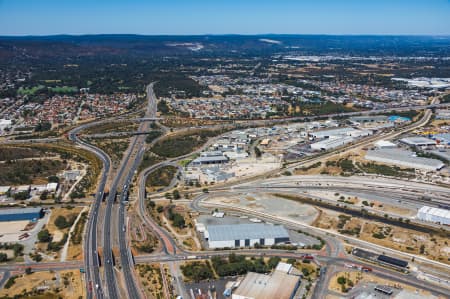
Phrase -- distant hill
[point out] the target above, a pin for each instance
(66, 46)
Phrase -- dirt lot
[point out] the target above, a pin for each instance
(358, 277)
(430, 245)
(333, 166)
(75, 250)
(151, 280)
(12, 227)
(186, 235)
(58, 234)
(68, 283)
(352, 278)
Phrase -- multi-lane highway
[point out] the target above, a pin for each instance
(127, 172)
(93, 278)
(92, 265)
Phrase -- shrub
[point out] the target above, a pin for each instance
(44, 236)
(3, 257)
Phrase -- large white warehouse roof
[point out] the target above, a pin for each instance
(418, 141)
(403, 158)
(278, 285)
(331, 143)
(228, 232)
(426, 213)
(334, 132)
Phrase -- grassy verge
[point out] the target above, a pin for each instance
(161, 177)
(172, 147)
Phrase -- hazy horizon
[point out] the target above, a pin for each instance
(202, 17)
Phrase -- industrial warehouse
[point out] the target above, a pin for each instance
(436, 215)
(18, 214)
(280, 284)
(245, 235)
(418, 141)
(214, 157)
(335, 138)
(404, 158)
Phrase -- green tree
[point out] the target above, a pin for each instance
(305, 272)
(176, 194)
(21, 195)
(61, 222)
(44, 236)
(44, 195)
(257, 152)
(178, 220)
(43, 126)
(3, 257)
(341, 280)
(53, 179)
(273, 261)
(151, 204)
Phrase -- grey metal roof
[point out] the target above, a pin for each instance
(210, 159)
(403, 156)
(417, 140)
(369, 118)
(228, 232)
(14, 211)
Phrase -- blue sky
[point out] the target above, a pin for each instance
(47, 17)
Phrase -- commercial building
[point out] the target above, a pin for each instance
(333, 133)
(436, 215)
(418, 141)
(404, 158)
(245, 235)
(265, 142)
(216, 175)
(384, 144)
(357, 120)
(71, 175)
(5, 123)
(331, 143)
(18, 214)
(4, 190)
(443, 114)
(279, 284)
(50, 187)
(209, 158)
(236, 155)
(392, 261)
(20, 189)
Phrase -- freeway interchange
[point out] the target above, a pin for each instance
(106, 226)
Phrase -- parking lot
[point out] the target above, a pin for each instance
(214, 286)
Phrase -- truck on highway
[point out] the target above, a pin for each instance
(105, 194)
